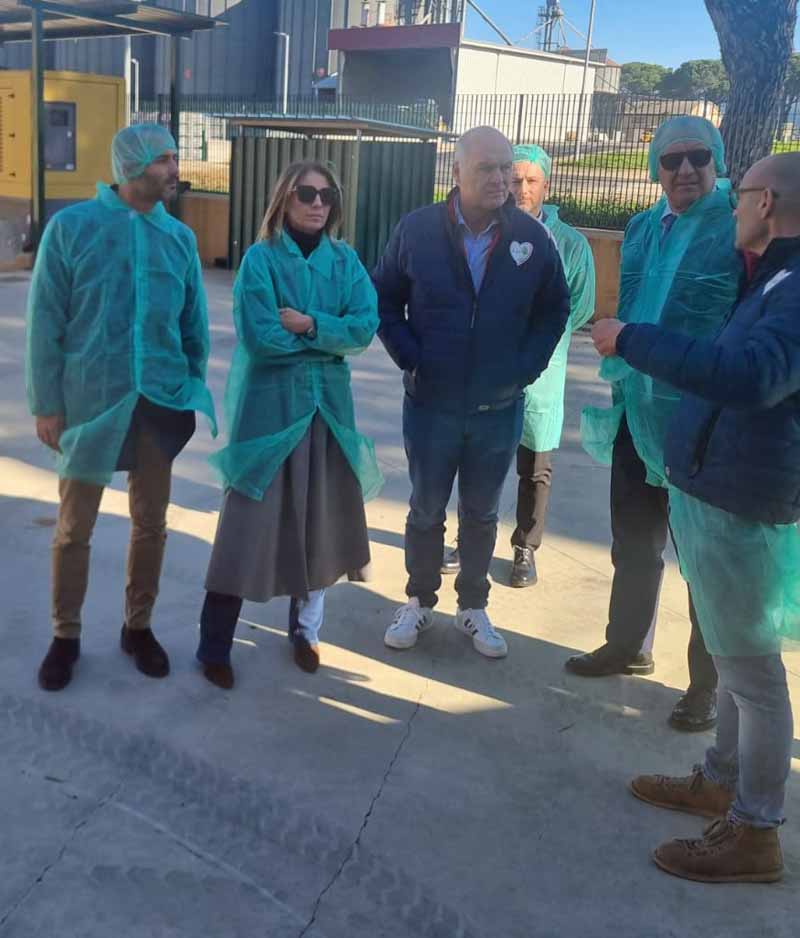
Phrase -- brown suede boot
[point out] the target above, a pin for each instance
(729, 852)
(693, 794)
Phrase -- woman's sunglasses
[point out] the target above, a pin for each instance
(308, 194)
(673, 161)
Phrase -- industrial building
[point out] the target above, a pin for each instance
(243, 60)
(393, 50)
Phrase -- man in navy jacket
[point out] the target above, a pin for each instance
(732, 458)
(472, 303)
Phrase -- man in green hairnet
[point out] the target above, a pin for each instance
(544, 400)
(117, 347)
(680, 270)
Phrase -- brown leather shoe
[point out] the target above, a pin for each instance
(220, 675)
(693, 794)
(55, 671)
(149, 657)
(728, 852)
(306, 655)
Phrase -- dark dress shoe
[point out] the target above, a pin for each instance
(695, 712)
(55, 671)
(452, 561)
(306, 655)
(149, 657)
(523, 570)
(605, 661)
(221, 675)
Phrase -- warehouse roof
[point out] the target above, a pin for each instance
(77, 19)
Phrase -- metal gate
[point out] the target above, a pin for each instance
(382, 181)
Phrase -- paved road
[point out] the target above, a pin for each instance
(429, 793)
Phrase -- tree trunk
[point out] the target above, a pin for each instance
(755, 38)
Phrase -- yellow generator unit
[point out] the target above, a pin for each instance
(82, 114)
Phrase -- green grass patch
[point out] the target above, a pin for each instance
(629, 160)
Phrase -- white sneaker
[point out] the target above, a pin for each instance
(408, 622)
(485, 638)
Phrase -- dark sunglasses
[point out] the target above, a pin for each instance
(673, 161)
(308, 194)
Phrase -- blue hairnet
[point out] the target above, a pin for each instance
(134, 148)
(531, 153)
(682, 129)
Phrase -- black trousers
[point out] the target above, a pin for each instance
(639, 528)
(535, 471)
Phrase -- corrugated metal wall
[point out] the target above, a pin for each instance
(236, 61)
(307, 22)
(242, 60)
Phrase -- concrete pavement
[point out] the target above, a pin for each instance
(425, 793)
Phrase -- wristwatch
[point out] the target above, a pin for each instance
(311, 332)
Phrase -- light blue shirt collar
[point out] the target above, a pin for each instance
(460, 219)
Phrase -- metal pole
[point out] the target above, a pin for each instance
(135, 64)
(128, 81)
(287, 39)
(586, 62)
(174, 91)
(487, 19)
(38, 127)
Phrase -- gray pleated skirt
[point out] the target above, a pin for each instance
(308, 531)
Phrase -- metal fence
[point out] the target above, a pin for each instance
(208, 124)
(598, 141)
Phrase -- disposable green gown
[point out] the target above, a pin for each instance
(116, 310)
(544, 399)
(687, 284)
(743, 576)
(279, 381)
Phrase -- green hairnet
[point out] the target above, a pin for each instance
(531, 153)
(134, 148)
(685, 128)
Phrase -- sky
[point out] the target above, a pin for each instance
(632, 30)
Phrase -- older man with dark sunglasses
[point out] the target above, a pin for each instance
(680, 270)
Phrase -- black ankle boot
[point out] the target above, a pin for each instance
(55, 672)
(149, 657)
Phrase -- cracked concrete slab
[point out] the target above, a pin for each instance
(406, 795)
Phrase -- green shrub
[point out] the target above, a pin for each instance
(597, 213)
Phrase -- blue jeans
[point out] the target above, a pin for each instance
(753, 749)
(480, 448)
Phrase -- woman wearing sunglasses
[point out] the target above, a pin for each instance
(296, 472)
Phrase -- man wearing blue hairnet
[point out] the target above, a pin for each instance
(680, 269)
(544, 400)
(117, 347)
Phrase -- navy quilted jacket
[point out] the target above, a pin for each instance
(735, 439)
(461, 351)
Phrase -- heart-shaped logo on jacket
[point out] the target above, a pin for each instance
(521, 252)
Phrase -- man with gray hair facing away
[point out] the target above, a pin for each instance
(472, 301)
(732, 462)
(117, 348)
